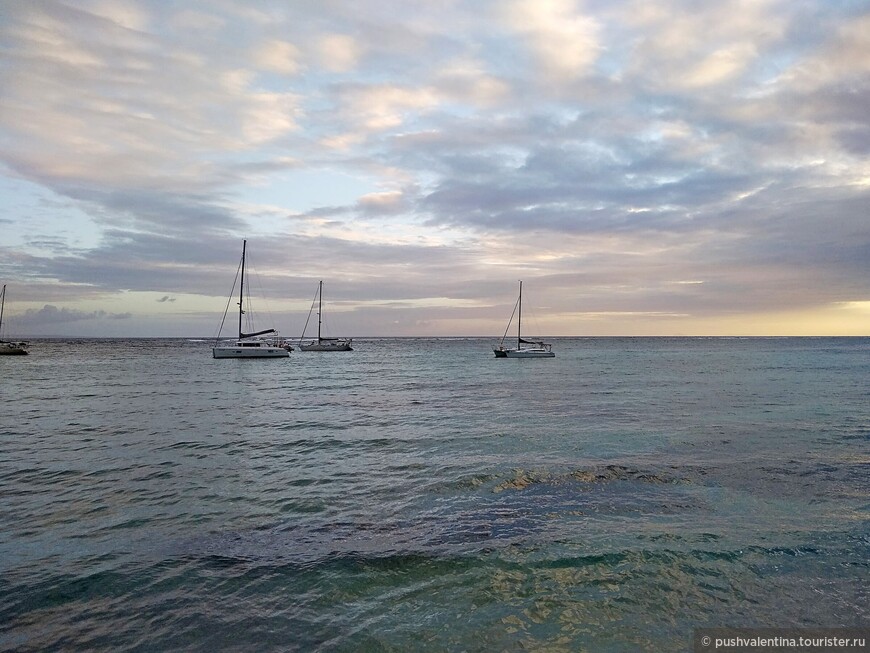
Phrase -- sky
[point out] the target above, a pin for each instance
(675, 167)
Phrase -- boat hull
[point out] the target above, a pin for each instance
(327, 344)
(12, 350)
(249, 352)
(523, 353)
(325, 347)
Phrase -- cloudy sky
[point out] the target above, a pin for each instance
(667, 167)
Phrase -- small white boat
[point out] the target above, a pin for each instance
(537, 349)
(248, 345)
(322, 344)
(327, 344)
(9, 348)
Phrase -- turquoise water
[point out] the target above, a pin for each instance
(419, 494)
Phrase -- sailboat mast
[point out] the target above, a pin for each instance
(2, 304)
(520, 316)
(242, 288)
(319, 308)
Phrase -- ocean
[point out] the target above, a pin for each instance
(421, 495)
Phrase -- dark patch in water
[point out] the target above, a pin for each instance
(543, 506)
(603, 474)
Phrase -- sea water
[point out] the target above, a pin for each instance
(422, 495)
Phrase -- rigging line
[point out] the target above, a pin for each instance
(261, 298)
(229, 301)
(535, 323)
(325, 326)
(249, 307)
(510, 321)
(249, 310)
(2, 304)
(310, 310)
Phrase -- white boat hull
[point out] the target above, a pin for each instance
(249, 351)
(326, 346)
(524, 353)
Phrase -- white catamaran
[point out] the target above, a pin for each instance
(247, 345)
(537, 350)
(322, 344)
(9, 348)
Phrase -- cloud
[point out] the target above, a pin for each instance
(720, 66)
(563, 41)
(605, 152)
(338, 53)
(382, 203)
(155, 115)
(467, 80)
(277, 56)
(380, 107)
(128, 15)
(197, 21)
(49, 315)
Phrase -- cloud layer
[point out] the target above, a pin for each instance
(645, 167)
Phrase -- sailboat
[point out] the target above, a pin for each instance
(322, 344)
(9, 348)
(247, 345)
(537, 349)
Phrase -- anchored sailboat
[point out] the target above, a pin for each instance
(9, 348)
(322, 344)
(247, 345)
(537, 350)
